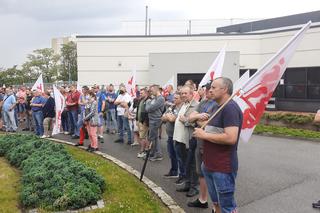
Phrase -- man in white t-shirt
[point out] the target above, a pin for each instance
(123, 103)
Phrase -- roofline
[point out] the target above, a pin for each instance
(193, 35)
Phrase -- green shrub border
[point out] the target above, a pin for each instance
(290, 118)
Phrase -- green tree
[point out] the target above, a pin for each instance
(12, 76)
(69, 68)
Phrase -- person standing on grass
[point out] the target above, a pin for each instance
(220, 158)
(37, 104)
(91, 120)
(48, 115)
(170, 117)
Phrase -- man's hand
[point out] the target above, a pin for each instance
(182, 118)
(203, 116)
(199, 133)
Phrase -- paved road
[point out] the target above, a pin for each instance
(275, 175)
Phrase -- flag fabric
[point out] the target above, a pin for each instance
(241, 81)
(165, 92)
(131, 84)
(215, 70)
(39, 84)
(79, 89)
(256, 92)
(59, 105)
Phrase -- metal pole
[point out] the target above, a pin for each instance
(149, 26)
(146, 24)
(189, 27)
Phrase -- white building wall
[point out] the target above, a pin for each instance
(103, 60)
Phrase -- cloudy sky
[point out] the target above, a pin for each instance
(30, 24)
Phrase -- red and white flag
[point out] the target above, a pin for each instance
(131, 85)
(79, 89)
(39, 84)
(165, 87)
(215, 70)
(59, 105)
(255, 93)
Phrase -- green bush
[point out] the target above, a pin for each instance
(51, 178)
(290, 118)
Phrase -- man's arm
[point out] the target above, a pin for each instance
(229, 137)
(158, 103)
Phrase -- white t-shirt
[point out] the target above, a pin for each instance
(123, 98)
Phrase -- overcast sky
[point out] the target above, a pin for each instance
(31, 24)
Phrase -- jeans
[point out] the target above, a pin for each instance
(65, 121)
(221, 187)
(191, 173)
(181, 152)
(38, 120)
(173, 156)
(123, 123)
(9, 120)
(111, 119)
(154, 137)
(73, 120)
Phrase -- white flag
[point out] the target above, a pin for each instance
(39, 84)
(79, 89)
(165, 87)
(131, 85)
(59, 105)
(257, 91)
(241, 81)
(215, 70)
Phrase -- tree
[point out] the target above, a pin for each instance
(12, 76)
(43, 61)
(69, 67)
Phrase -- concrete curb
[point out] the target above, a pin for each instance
(165, 198)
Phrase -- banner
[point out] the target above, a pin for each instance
(131, 85)
(215, 70)
(39, 84)
(165, 91)
(59, 105)
(257, 91)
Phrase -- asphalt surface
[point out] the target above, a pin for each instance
(275, 174)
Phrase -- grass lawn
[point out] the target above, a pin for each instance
(124, 191)
(9, 187)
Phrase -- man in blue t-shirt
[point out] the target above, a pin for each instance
(9, 103)
(111, 110)
(101, 98)
(37, 103)
(221, 136)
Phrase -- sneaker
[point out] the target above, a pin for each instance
(66, 133)
(78, 144)
(156, 158)
(100, 136)
(170, 175)
(43, 136)
(135, 144)
(118, 141)
(197, 204)
(141, 155)
(180, 181)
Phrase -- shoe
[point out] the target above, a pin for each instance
(135, 144)
(78, 144)
(141, 154)
(25, 129)
(156, 158)
(129, 143)
(150, 156)
(316, 205)
(43, 136)
(198, 204)
(170, 175)
(101, 140)
(100, 137)
(66, 133)
(75, 137)
(192, 192)
(183, 189)
(180, 181)
(118, 141)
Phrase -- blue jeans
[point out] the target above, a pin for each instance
(73, 121)
(123, 123)
(173, 156)
(111, 119)
(192, 177)
(181, 152)
(221, 187)
(38, 121)
(154, 137)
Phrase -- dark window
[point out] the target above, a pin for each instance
(314, 92)
(295, 76)
(296, 91)
(313, 75)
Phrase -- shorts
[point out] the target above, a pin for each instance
(221, 187)
(143, 130)
(21, 107)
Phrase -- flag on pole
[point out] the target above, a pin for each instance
(39, 84)
(256, 92)
(79, 89)
(215, 70)
(59, 105)
(241, 81)
(131, 85)
(165, 87)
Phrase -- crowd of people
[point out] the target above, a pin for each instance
(202, 151)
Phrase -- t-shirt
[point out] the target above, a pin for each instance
(123, 98)
(86, 99)
(101, 97)
(170, 98)
(38, 100)
(73, 97)
(170, 125)
(206, 106)
(9, 100)
(113, 97)
(223, 158)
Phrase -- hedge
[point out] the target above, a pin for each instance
(51, 178)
